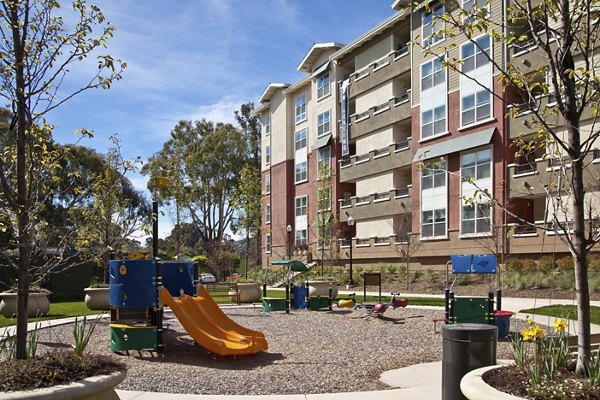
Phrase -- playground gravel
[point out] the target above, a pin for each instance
(309, 352)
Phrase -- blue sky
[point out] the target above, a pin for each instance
(193, 59)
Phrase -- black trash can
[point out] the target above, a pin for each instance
(466, 347)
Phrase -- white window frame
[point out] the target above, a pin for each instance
(433, 26)
(472, 79)
(268, 243)
(267, 125)
(432, 98)
(327, 191)
(300, 156)
(436, 189)
(481, 178)
(267, 184)
(301, 225)
(323, 86)
(468, 8)
(267, 214)
(326, 150)
(268, 154)
(300, 108)
(324, 123)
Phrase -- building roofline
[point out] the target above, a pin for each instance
(298, 84)
(370, 34)
(270, 90)
(306, 65)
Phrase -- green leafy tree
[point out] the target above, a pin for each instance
(562, 36)
(211, 156)
(37, 52)
(326, 222)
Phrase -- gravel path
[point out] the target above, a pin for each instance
(309, 352)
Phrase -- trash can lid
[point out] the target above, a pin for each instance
(470, 332)
(503, 313)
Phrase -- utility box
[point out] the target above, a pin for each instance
(466, 347)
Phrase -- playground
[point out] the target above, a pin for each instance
(309, 352)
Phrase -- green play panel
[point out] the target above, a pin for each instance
(316, 303)
(273, 304)
(129, 337)
(471, 310)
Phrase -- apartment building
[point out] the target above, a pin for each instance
(423, 142)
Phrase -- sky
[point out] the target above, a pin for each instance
(194, 59)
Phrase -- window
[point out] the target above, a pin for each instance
(324, 162)
(476, 81)
(268, 184)
(267, 124)
(476, 173)
(433, 223)
(324, 199)
(472, 6)
(300, 108)
(323, 86)
(475, 219)
(268, 214)
(268, 242)
(323, 125)
(268, 154)
(301, 156)
(433, 199)
(301, 220)
(432, 24)
(433, 98)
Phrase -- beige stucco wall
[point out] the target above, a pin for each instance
(375, 227)
(375, 96)
(373, 53)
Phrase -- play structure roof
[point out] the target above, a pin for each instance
(293, 265)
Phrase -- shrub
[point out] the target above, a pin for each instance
(430, 276)
(520, 265)
(546, 264)
(565, 280)
(565, 264)
(594, 262)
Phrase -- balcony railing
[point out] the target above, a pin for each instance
(524, 229)
(381, 107)
(402, 192)
(382, 240)
(402, 98)
(525, 168)
(381, 196)
(402, 145)
(362, 158)
(345, 162)
(362, 115)
(401, 51)
(381, 152)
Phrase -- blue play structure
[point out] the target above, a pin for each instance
(475, 309)
(136, 314)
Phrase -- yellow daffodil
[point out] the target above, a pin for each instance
(560, 325)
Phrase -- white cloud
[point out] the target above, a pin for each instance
(221, 111)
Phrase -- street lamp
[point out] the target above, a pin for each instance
(289, 241)
(349, 237)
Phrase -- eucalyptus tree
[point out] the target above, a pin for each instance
(203, 159)
(555, 90)
(37, 52)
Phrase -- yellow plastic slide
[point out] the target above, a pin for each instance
(208, 325)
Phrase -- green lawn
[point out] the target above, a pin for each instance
(57, 310)
(564, 312)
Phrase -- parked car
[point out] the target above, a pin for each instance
(207, 278)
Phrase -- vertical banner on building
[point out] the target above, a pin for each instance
(345, 106)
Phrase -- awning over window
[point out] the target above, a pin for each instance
(320, 70)
(321, 142)
(454, 145)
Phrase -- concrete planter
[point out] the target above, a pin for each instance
(97, 298)
(474, 387)
(37, 305)
(101, 387)
(321, 288)
(248, 292)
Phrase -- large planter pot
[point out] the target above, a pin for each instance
(101, 387)
(321, 288)
(474, 387)
(37, 305)
(97, 298)
(248, 292)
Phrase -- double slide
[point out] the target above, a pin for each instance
(208, 325)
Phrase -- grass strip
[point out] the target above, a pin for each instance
(564, 311)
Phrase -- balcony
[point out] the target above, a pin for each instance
(394, 64)
(392, 202)
(392, 111)
(396, 155)
(537, 177)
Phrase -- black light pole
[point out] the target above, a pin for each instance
(349, 237)
(289, 241)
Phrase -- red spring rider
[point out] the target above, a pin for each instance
(380, 307)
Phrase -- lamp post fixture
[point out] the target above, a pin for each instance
(289, 241)
(349, 237)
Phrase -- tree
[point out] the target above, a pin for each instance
(250, 189)
(210, 158)
(325, 221)
(37, 52)
(561, 94)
